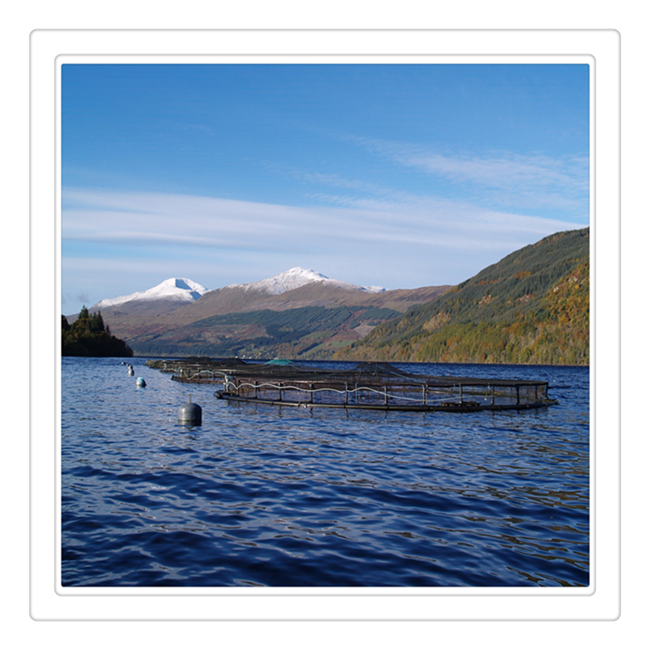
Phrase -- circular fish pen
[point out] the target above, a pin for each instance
(376, 386)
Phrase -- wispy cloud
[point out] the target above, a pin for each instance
(192, 221)
(123, 217)
(502, 178)
(513, 179)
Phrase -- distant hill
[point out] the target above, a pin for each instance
(531, 307)
(305, 332)
(298, 314)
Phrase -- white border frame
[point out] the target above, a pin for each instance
(600, 601)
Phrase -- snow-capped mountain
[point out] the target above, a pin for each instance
(298, 277)
(174, 289)
(243, 319)
(178, 291)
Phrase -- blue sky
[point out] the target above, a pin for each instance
(393, 175)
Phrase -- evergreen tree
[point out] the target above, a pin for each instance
(89, 337)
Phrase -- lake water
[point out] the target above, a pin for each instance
(267, 496)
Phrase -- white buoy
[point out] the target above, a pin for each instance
(130, 371)
(190, 413)
(140, 383)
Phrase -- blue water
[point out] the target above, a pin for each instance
(268, 496)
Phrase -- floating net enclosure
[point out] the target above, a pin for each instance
(377, 386)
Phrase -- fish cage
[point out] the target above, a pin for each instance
(199, 370)
(376, 386)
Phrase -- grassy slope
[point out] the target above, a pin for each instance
(531, 307)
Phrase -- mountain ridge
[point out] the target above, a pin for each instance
(330, 314)
(186, 290)
(295, 278)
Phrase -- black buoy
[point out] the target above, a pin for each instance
(189, 413)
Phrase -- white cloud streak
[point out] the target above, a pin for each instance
(180, 220)
(504, 178)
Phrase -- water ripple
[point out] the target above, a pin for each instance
(262, 496)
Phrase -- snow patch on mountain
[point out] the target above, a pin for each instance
(185, 290)
(298, 277)
(174, 289)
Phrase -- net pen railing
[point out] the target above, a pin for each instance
(388, 395)
(366, 385)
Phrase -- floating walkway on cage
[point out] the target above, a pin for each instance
(369, 386)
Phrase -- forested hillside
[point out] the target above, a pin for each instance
(89, 337)
(531, 307)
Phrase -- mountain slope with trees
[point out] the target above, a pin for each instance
(531, 307)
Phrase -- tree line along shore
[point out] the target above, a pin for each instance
(88, 336)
